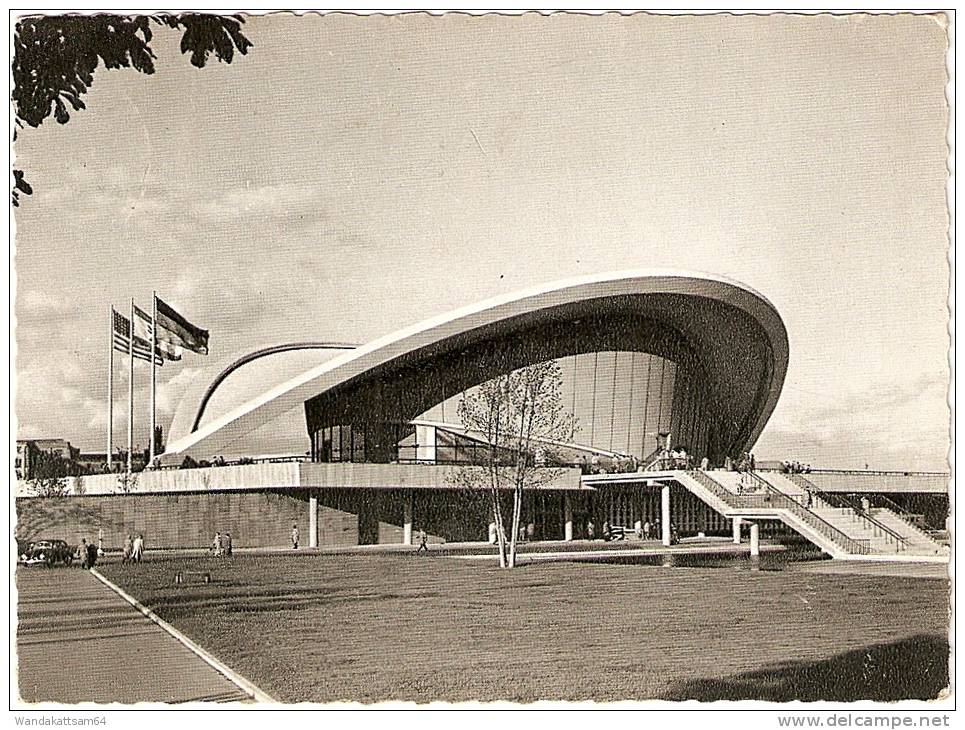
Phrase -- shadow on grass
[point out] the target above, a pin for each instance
(914, 668)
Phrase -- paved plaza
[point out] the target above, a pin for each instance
(78, 641)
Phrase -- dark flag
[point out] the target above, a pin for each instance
(175, 329)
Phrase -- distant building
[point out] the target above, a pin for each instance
(29, 450)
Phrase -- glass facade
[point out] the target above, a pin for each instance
(623, 401)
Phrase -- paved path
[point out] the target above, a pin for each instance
(78, 641)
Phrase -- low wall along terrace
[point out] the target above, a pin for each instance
(259, 503)
(254, 519)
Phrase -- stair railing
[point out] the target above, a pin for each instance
(737, 501)
(779, 500)
(915, 519)
(841, 501)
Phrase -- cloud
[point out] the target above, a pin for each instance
(905, 428)
(286, 202)
(169, 393)
(32, 303)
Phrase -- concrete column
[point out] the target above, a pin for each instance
(567, 517)
(407, 509)
(313, 519)
(737, 530)
(755, 539)
(426, 443)
(665, 514)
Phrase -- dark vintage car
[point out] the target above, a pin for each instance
(47, 552)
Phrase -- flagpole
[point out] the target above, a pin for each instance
(153, 372)
(130, 396)
(110, 391)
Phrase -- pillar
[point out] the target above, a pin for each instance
(426, 443)
(665, 514)
(567, 517)
(737, 530)
(407, 510)
(755, 539)
(313, 519)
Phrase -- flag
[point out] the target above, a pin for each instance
(176, 330)
(122, 340)
(142, 333)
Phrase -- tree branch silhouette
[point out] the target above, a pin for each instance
(56, 57)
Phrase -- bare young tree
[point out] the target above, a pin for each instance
(521, 417)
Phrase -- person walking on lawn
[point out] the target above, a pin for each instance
(423, 542)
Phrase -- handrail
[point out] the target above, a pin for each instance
(840, 501)
(861, 546)
(887, 503)
(725, 495)
(872, 472)
(844, 502)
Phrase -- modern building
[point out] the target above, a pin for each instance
(650, 361)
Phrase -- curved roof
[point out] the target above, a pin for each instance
(701, 307)
(224, 385)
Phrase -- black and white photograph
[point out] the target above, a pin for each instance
(480, 360)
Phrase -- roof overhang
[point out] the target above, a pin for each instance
(430, 335)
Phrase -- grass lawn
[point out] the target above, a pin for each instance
(321, 628)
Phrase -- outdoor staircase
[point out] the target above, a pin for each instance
(916, 541)
(837, 528)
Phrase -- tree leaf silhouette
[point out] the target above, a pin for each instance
(55, 57)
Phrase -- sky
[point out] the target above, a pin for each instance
(351, 176)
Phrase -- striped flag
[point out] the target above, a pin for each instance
(142, 333)
(122, 339)
(176, 330)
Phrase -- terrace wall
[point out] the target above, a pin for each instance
(187, 520)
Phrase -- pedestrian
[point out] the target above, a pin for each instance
(294, 537)
(128, 548)
(91, 556)
(137, 551)
(423, 542)
(531, 531)
(704, 464)
(82, 552)
(590, 530)
(226, 542)
(646, 530)
(606, 531)
(216, 547)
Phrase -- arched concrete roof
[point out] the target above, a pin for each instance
(227, 384)
(691, 303)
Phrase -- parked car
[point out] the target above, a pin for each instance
(48, 552)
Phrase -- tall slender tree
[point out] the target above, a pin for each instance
(521, 417)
